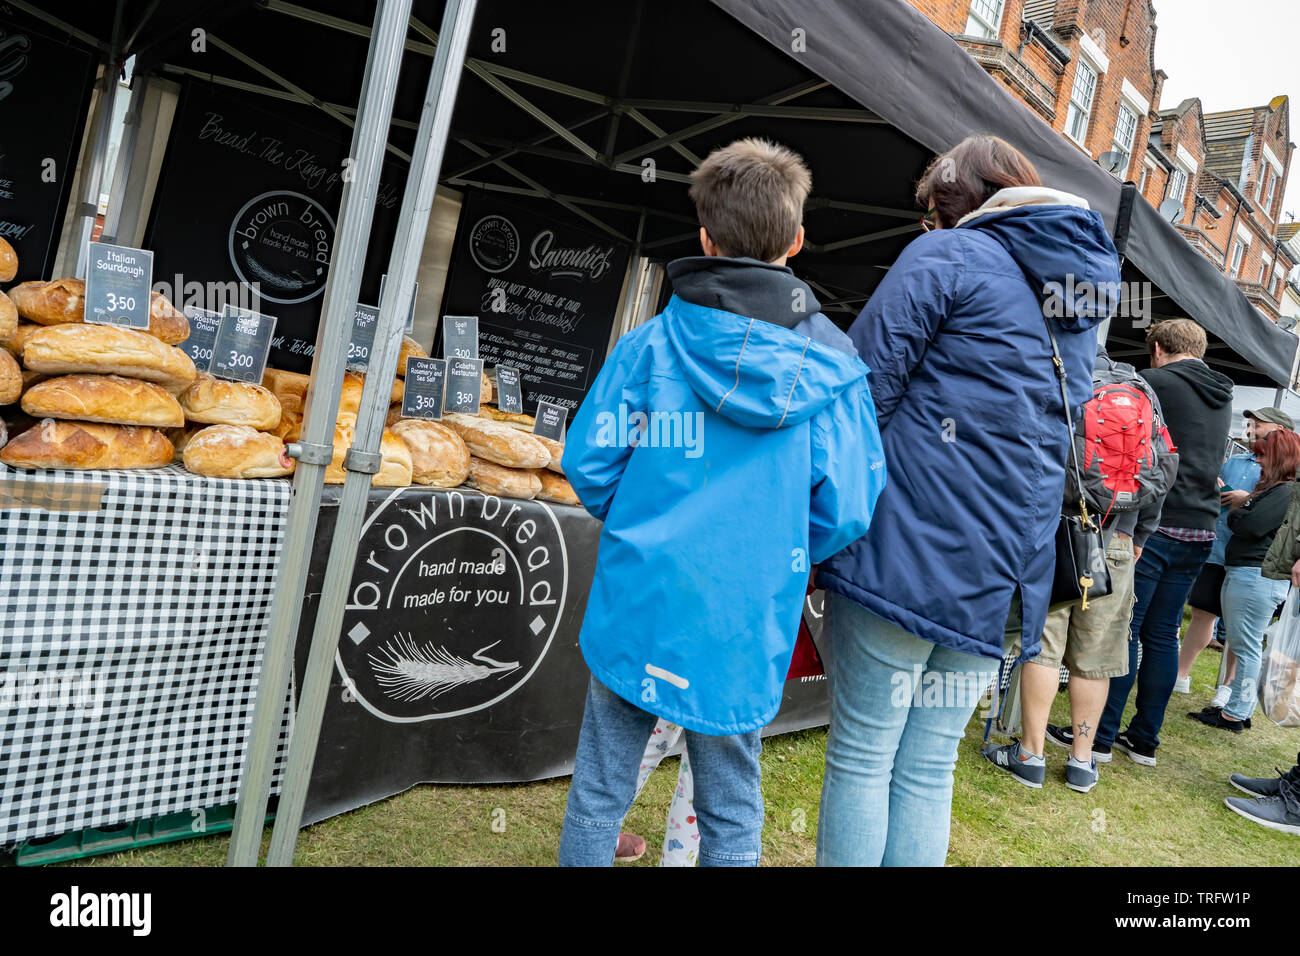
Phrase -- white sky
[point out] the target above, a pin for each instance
(1232, 55)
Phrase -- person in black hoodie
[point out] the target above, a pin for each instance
(1197, 405)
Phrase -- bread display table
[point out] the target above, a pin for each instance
(135, 612)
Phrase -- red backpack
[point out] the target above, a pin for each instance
(1127, 455)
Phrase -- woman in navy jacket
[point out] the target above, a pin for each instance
(975, 438)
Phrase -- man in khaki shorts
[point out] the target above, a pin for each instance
(1093, 646)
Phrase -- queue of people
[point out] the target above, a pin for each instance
(916, 468)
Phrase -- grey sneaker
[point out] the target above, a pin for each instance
(1265, 786)
(1081, 777)
(1281, 813)
(1064, 737)
(1024, 768)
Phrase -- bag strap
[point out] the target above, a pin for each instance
(1059, 366)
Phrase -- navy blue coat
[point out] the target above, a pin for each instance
(970, 413)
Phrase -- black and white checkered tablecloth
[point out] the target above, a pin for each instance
(133, 613)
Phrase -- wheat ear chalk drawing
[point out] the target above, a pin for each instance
(407, 671)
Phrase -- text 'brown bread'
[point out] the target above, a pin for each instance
(110, 399)
(62, 444)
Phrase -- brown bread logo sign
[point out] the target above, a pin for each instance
(494, 243)
(282, 241)
(454, 603)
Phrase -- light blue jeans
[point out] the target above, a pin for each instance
(1249, 600)
(899, 707)
(728, 787)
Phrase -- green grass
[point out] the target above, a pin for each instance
(1170, 815)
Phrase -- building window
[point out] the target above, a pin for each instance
(1272, 283)
(985, 19)
(1146, 173)
(1238, 253)
(1272, 188)
(1085, 88)
(1263, 268)
(1177, 185)
(1125, 132)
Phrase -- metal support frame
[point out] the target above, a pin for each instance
(93, 171)
(125, 158)
(403, 263)
(342, 286)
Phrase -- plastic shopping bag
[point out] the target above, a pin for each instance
(1279, 676)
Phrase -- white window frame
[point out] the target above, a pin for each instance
(1272, 191)
(1074, 108)
(1126, 107)
(1272, 281)
(1174, 174)
(978, 24)
(1238, 257)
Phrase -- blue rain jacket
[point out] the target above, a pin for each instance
(971, 415)
(726, 448)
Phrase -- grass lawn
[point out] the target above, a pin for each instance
(1170, 815)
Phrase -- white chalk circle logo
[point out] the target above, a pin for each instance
(455, 600)
(494, 243)
(282, 241)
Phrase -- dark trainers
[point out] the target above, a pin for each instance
(1079, 776)
(1064, 737)
(1138, 753)
(1213, 717)
(1265, 786)
(1213, 711)
(1023, 767)
(1281, 812)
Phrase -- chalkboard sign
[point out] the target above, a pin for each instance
(242, 345)
(45, 86)
(118, 281)
(203, 335)
(460, 336)
(549, 421)
(425, 383)
(545, 292)
(464, 385)
(410, 315)
(365, 319)
(510, 398)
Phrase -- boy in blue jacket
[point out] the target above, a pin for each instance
(728, 444)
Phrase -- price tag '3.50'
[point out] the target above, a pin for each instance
(422, 397)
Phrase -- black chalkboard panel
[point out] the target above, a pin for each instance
(249, 195)
(545, 292)
(45, 86)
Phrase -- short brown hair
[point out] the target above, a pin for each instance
(1177, 337)
(749, 197)
(967, 176)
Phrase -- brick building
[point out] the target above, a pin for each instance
(1087, 68)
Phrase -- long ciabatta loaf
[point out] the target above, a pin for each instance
(492, 479)
(11, 379)
(8, 318)
(110, 399)
(62, 444)
(8, 261)
(63, 301)
(498, 442)
(218, 402)
(108, 350)
(439, 457)
(556, 488)
(236, 451)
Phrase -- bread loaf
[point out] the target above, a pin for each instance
(395, 466)
(439, 457)
(491, 478)
(555, 488)
(31, 378)
(498, 442)
(334, 471)
(410, 348)
(289, 387)
(394, 415)
(166, 322)
(11, 379)
(108, 350)
(111, 399)
(290, 427)
(487, 393)
(218, 402)
(63, 301)
(15, 342)
(399, 389)
(236, 451)
(8, 261)
(514, 418)
(350, 396)
(557, 453)
(8, 318)
(62, 444)
(180, 437)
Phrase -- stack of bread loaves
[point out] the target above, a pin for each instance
(233, 431)
(102, 393)
(510, 461)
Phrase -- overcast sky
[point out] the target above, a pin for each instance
(1232, 55)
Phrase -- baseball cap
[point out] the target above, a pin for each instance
(1274, 416)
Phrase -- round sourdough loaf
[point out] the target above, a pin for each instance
(556, 488)
(8, 261)
(498, 442)
(8, 318)
(219, 402)
(439, 457)
(493, 479)
(62, 444)
(236, 451)
(557, 453)
(11, 379)
(108, 350)
(410, 349)
(395, 465)
(111, 399)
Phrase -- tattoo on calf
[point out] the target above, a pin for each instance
(1083, 730)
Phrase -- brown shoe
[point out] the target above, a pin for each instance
(630, 848)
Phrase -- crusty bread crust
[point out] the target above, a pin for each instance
(493, 479)
(111, 399)
(218, 402)
(108, 350)
(236, 451)
(498, 442)
(63, 444)
(439, 457)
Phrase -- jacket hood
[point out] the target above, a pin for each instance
(729, 324)
(1061, 245)
(1214, 388)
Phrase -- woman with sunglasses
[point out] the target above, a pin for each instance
(970, 409)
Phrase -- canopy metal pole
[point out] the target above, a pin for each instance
(315, 450)
(364, 459)
(125, 159)
(93, 181)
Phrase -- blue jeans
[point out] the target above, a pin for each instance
(728, 791)
(899, 707)
(1249, 600)
(1162, 581)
